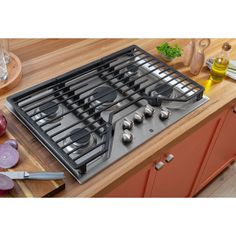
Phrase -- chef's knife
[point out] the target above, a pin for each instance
(34, 175)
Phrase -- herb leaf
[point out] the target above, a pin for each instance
(170, 51)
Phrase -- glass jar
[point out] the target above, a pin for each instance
(220, 64)
(3, 66)
(5, 46)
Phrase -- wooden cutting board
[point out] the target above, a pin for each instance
(29, 161)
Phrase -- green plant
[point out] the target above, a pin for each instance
(170, 51)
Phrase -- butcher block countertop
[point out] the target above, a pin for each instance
(43, 59)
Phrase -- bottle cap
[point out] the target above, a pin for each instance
(226, 46)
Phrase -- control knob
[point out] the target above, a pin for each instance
(148, 111)
(164, 114)
(138, 117)
(127, 137)
(128, 124)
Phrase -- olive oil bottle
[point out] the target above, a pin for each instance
(220, 64)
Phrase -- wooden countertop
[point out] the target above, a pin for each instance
(44, 59)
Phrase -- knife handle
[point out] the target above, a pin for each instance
(45, 175)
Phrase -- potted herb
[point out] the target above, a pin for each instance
(168, 53)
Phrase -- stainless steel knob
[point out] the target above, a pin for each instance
(164, 114)
(127, 137)
(234, 109)
(148, 111)
(159, 165)
(127, 124)
(169, 158)
(138, 117)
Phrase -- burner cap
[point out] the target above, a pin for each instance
(132, 68)
(80, 136)
(49, 108)
(100, 91)
(164, 90)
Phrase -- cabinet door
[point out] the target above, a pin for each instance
(134, 186)
(224, 149)
(176, 178)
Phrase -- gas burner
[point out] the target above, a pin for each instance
(132, 70)
(164, 90)
(48, 111)
(159, 93)
(81, 140)
(108, 98)
(80, 137)
(101, 102)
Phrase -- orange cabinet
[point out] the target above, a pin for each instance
(182, 162)
(135, 186)
(223, 149)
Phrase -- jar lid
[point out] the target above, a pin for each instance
(226, 46)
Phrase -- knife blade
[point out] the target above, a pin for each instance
(34, 175)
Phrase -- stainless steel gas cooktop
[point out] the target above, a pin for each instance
(92, 116)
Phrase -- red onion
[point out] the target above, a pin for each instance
(9, 157)
(13, 143)
(6, 184)
(3, 124)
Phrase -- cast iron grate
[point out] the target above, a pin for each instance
(74, 90)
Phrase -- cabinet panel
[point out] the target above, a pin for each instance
(177, 177)
(224, 149)
(134, 186)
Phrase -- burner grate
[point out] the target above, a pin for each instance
(126, 72)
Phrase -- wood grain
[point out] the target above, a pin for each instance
(63, 55)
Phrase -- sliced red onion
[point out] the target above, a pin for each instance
(6, 184)
(3, 124)
(13, 143)
(9, 157)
